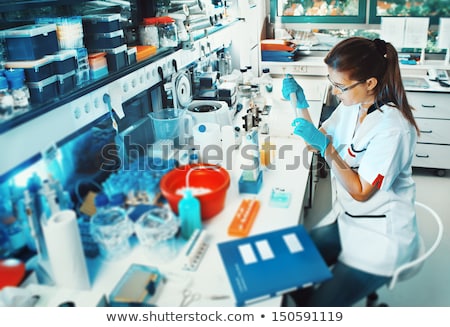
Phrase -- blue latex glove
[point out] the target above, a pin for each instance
(290, 85)
(305, 129)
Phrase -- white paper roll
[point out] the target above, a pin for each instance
(65, 250)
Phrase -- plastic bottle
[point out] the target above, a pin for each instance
(189, 213)
(250, 75)
(19, 91)
(6, 100)
(266, 81)
(111, 227)
(243, 76)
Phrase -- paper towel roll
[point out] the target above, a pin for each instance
(65, 250)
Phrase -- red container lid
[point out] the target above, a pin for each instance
(151, 21)
(166, 20)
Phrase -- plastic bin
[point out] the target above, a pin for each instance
(104, 40)
(30, 42)
(44, 90)
(35, 70)
(66, 82)
(101, 23)
(65, 61)
(132, 52)
(117, 58)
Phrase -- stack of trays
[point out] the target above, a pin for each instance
(49, 72)
(103, 34)
(65, 63)
(278, 50)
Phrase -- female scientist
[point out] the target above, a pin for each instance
(368, 143)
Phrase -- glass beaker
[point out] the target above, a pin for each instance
(156, 230)
(171, 124)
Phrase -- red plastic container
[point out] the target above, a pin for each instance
(205, 176)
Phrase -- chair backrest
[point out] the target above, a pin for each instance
(409, 269)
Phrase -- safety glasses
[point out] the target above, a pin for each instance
(344, 88)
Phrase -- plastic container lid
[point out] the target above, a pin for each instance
(166, 20)
(3, 83)
(101, 17)
(29, 30)
(17, 73)
(29, 63)
(151, 21)
(63, 55)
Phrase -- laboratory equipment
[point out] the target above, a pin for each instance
(156, 225)
(209, 184)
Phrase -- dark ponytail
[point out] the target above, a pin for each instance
(362, 59)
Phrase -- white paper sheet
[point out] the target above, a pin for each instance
(444, 33)
(416, 32)
(392, 30)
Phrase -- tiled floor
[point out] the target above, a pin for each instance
(431, 286)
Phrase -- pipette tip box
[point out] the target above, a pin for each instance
(253, 187)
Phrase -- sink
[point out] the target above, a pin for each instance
(415, 82)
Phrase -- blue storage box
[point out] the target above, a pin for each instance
(35, 70)
(104, 40)
(117, 58)
(30, 42)
(101, 23)
(132, 55)
(65, 61)
(66, 82)
(44, 90)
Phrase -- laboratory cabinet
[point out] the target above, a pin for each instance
(432, 114)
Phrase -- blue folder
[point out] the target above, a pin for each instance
(273, 263)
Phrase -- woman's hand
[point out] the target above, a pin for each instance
(306, 130)
(290, 86)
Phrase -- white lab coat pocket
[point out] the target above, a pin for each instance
(366, 245)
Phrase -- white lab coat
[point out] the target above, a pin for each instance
(379, 234)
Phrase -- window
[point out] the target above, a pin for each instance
(319, 11)
(354, 11)
(419, 8)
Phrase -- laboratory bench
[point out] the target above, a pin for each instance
(290, 171)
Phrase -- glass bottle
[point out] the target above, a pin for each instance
(6, 100)
(266, 81)
(19, 91)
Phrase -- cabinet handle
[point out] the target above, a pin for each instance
(422, 156)
(428, 106)
(427, 131)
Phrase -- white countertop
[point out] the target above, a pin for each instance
(291, 170)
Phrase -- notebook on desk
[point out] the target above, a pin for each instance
(273, 263)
